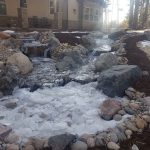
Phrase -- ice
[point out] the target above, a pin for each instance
(73, 108)
(103, 44)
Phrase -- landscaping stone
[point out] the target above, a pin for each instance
(21, 61)
(117, 117)
(109, 108)
(60, 142)
(12, 147)
(4, 131)
(114, 81)
(79, 145)
(105, 61)
(91, 142)
(113, 146)
(140, 123)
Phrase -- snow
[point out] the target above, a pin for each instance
(73, 108)
(9, 31)
(144, 44)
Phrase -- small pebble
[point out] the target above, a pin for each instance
(91, 142)
(113, 146)
(12, 147)
(134, 147)
(79, 145)
(122, 112)
(128, 133)
(117, 117)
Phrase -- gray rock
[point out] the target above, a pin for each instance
(90, 142)
(113, 146)
(129, 111)
(109, 108)
(134, 147)
(131, 126)
(12, 147)
(75, 55)
(117, 117)
(114, 81)
(105, 61)
(113, 137)
(128, 133)
(8, 80)
(146, 101)
(67, 63)
(100, 139)
(120, 134)
(79, 145)
(88, 41)
(53, 42)
(4, 131)
(60, 142)
(147, 33)
(11, 105)
(117, 35)
(1, 94)
(122, 112)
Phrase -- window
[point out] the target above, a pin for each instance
(2, 7)
(96, 15)
(23, 3)
(91, 14)
(52, 7)
(86, 13)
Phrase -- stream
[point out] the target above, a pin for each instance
(55, 109)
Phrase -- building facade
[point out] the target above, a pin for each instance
(55, 14)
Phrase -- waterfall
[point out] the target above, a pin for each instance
(46, 52)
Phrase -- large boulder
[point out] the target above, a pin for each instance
(105, 61)
(147, 33)
(8, 80)
(88, 41)
(60, 142)
(21, 61)
(117, 35)
(114, 81)
(67, 63)
(109, 108)
(4, 36)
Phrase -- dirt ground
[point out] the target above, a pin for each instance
(140, 58)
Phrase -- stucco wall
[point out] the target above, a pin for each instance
(11, 7)
(39, 8)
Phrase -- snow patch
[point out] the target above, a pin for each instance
(144, 44)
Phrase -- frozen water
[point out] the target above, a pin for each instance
(47, 112)
(103, 44)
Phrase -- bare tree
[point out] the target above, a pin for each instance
(136, 14)
(131, 13)
(145, 14)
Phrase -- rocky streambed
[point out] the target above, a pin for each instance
(79, 98)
